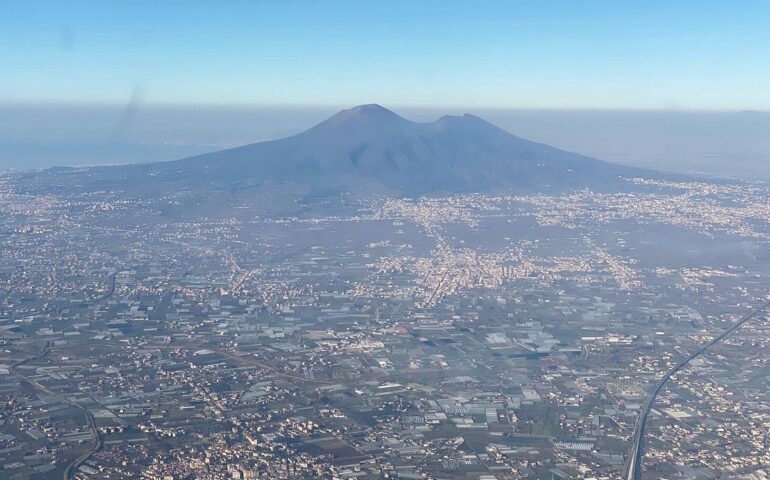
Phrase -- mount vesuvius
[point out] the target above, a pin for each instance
(370, 148)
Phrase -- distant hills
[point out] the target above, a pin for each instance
(370, 148)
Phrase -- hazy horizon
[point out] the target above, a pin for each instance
(45, 135)
(573, 281)
(655, 84)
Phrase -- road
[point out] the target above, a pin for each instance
(43, 353)
(69, 472)
(633, 467)
(96, 438)
(109, 292)
(241, 359)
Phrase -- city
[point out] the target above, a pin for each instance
(385, 240)
(469, 336)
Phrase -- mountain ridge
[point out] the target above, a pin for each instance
(371, 148)
(454, 153)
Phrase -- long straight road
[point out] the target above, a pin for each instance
(633, 468)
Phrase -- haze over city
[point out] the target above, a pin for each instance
(384, 240)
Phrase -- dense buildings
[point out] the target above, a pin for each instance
(472, 336)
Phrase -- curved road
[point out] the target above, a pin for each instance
(633, 468)
(97, 440)
(109, 292)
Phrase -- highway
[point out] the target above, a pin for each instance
(71, 469)
(633, 467)
(109, 292)
(97, 441)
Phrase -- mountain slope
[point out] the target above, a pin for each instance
(370, 147)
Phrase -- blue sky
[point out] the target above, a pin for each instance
(526, 54)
